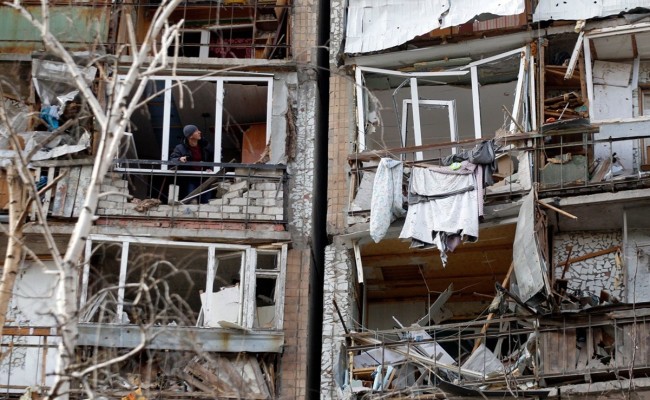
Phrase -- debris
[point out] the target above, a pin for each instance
(562, 159)
(145, 205)
(227, 376)
(135, 395)
(483, 361)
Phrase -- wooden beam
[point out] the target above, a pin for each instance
(491, 315)
(594, 254)
(557, 210)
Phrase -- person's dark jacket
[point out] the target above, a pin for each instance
(183, 150)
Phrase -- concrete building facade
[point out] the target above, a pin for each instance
(214, 288)
(539, 289)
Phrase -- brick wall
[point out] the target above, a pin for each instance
(304, 32)
(341, 130)
(254, 199)
(293, 367)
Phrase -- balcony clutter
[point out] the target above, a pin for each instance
(542, 332)
(531, 355)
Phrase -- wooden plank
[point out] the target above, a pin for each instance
(593, 255)
(633, 345)
(559, 351)
(84, 182)
(71, 195)
(61, 192)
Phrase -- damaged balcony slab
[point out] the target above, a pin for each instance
(227, 231)
(181, 338)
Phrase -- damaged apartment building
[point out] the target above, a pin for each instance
(488, 200)
(219, 273)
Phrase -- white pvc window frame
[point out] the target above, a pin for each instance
(525, 61)
(450, 105)
(361, 106)
(248, 273)
(525, 66)
(170, 81)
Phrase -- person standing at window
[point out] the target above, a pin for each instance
(193, 148)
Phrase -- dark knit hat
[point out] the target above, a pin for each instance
(188, 130)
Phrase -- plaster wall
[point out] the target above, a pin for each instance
(301, 167)
(637, 260)
(284, 85)
(339, 280)
(337, 30)
(616, 102)
(32, 304)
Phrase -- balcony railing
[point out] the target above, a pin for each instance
(514, 353)
(568, 161)
(247, 193)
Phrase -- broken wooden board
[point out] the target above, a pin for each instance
(633, 345)
(237, 377)
(558, 351)
(203, 187)
(84, 183)
(63, 190)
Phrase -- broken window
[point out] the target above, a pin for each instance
(230, 112)
(617, 75)
(129, 281)
(233, 30)
(268, 288)
(403, 109)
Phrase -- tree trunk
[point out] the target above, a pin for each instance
(17, 204)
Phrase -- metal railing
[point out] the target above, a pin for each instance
(249, 193)
(530, 352)
(561, 163)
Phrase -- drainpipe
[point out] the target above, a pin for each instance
(319, 207)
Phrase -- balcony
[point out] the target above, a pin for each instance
(527, 356)
(240, 196)
(241, 29)
(567, 158)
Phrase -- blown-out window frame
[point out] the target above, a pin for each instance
(249, 274)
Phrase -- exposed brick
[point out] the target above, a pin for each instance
(236, 193)
(266, 186)
(239, 201)
(219, 202)
(273, 210)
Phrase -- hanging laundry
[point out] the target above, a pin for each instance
(482, 154)
(387, 197)
(444, 207)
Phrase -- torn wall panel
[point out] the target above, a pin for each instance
(583, 9)
(372, 26)
(528, 262)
